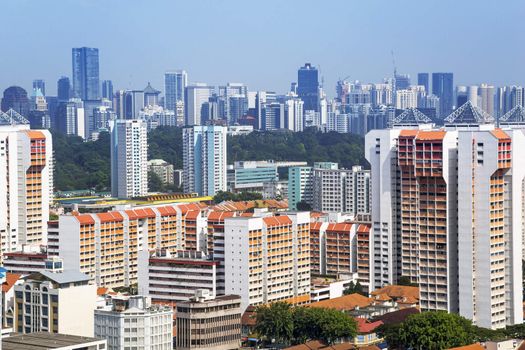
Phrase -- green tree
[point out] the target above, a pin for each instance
(275, 322)
(222, 196)
(327, 325)
(354, 288)
(303, 206)
(436, 330)
(391, 333)
(405, 281)
(155, 182)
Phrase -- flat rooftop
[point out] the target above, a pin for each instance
(44, 340)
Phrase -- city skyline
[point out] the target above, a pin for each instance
(372, 30)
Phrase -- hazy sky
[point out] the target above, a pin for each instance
(262, 43)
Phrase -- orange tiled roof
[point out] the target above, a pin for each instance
(383, 297)
(193, 214)
(111, 216)
(344, 303)
(300, 299)
(247, 214)
(167, 211)
(85, 219)
(408, 132)
(408, 300)
(363, 326)
(35, 135)
(10, 280)
(425, 135)
(395, 291)
(102, 291)
(315, 225)
(363, 228)
(339, 227)
(311, 345)
(500, 134)
(277, 220)
(219, 215)
(476, 346)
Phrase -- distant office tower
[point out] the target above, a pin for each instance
(273, 116)
(445, 215)
(461, 95)
(204, 156)
(16, 98)
(261, 99)
(107, 89)
(70, 117)
(486, 94)
(402, 81)
(26, 182)
(293, 114)
(195, 96)
(86, 84)
(267, 258)
(308, 87)
(63, 89)
(423, 80)
(443, 87)
(151, 96)
(175, 84)
(102, 116)
(39, 84)
(129, 158)
(235, 101)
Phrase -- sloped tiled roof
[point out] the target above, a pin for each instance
(476, 346)
(396, 317)
(515, 115)
(411, 116)
(344, 303)
(469, 114)
(10, 281)
(396, 291)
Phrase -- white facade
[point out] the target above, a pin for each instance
(204, 159)
(26, 185)
(133, 323)
(129, 158)
(195, 96)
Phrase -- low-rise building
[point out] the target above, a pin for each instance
(172, 277)
(206, 323)
(162, 169)
(44, 341)
(55, 302)
(132, 322)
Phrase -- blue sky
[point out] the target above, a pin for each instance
(262, 43)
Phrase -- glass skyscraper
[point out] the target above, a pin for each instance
(107, 89)
(63, 89)
(174, 84)
(86, 83)
(308, 87)
(423, 80)
(443, 87)
(39, 84)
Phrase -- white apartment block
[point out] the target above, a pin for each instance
(342, 191)
(204, 159)
(170, 278)
(26, 183)
(267, 258)
(134, 323)
(129, 158)
(447, 213)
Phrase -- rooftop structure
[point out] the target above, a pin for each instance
(44, 340)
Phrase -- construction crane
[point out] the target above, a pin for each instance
(394, 62)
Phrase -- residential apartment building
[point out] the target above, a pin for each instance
(129, 158)
(300, 187)
(447, 207)
(267, 257)
(204, 158)
(106, 245)
(251, 176)
(133, 322)
(162, 169)
(207, 323)
(60, 302)
(168, 278)
(26, 185)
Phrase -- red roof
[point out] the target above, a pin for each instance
(220, 215)
(363, 326)
(339, 227)
(315, 225)
(363, 228)
(112, 216)
(408, 132)
(431, 135)
(85, 219)
(277, 220)
(10, 280)
(167, 211)
(193, 214)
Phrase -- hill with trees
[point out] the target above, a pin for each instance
(86, 165)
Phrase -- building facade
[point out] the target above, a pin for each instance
(129, 158)
(175, 83)
(86, 83)
(204, 159)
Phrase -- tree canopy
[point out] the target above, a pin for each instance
(222, 196)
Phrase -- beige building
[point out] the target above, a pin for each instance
(55, 302)
(209, 324)
(163, 169)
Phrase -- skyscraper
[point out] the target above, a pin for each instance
(204, 159)
(402, 81)
(63, 89)
(86, 84)
(107, 89)
(486, 94)
(443, 87)
(423, 79)
(16, 98)
(175, 83)
(39, 84)
(308, 87)
(195, 96)
(129, 158)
